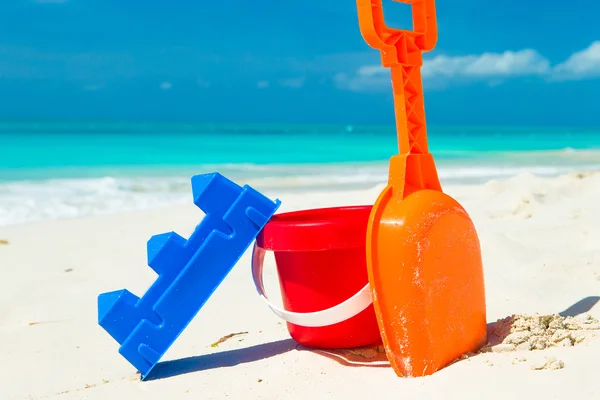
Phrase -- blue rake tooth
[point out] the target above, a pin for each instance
(163, 250)
(115, 311)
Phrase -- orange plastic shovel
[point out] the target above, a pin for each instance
(423, 253)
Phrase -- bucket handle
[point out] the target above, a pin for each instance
(341, 312)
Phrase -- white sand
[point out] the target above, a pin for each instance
(541, 246)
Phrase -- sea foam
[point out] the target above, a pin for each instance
(24, 201)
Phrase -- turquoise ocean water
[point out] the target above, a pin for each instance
(64, 170)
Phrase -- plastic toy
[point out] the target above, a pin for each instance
(423, 254)
(188, 270)
(322, 268)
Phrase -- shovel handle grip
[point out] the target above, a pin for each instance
(389, 40)
(401, 51)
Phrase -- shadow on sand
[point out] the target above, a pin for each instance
(372, 356)
(581, 307)
(227, 358)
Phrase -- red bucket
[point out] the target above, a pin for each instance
(321, 263)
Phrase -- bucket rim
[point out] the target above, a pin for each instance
(324, 228)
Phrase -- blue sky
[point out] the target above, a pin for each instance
(511, 62)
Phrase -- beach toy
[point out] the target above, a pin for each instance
(423, 254)
(188, 271)
(321, 264)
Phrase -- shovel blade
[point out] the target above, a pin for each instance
(426, 275)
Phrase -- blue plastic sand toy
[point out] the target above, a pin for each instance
(188, 271)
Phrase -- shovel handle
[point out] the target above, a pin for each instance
(379, 36)
(401, 51)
